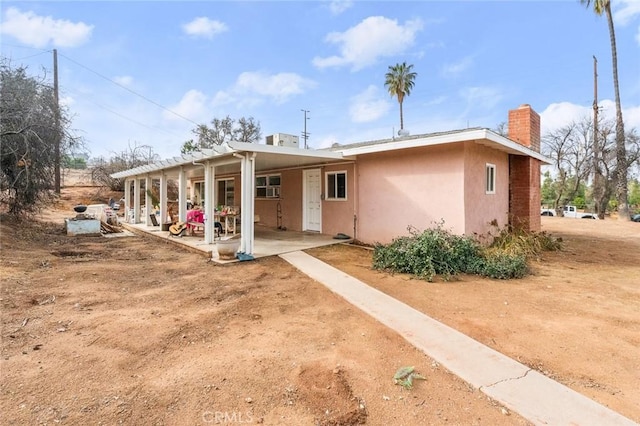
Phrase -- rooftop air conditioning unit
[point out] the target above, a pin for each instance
(283, 139)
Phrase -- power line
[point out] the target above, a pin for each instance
(87, 99)
(129, 90)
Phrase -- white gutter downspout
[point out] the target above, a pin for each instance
(247, 172)
(136, 200)
(356, 200)
(164, 210)
(182, 194)
(243, 198)
(127, 200)
(209, 214)
(148, 184)
(249, 217)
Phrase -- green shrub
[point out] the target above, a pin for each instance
(437, 251)
(427, 254)
(502, 265)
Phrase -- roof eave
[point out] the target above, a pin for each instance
(502, 143)
(285, 150)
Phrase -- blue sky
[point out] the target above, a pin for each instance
(123, 66)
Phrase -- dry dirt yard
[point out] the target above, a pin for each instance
(133, 330)
(576, 319)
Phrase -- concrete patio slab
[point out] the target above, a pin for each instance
(267, 241)
(534, 396)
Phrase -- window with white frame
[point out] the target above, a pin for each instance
(336, 184)
(226, 192)
(490, 178)
(268, 186)
(198, 193)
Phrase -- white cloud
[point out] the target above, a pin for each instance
(339, 6)
(561, 114)
(222, 98)
(368, 105)
(453, 70)
(371, 39)
(67, 101)
(40, 31)
(625, 10)
(204, 27)
(192, 106)
(251, 88)
(124, 80)
(481, 97)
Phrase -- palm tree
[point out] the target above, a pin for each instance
(600, 6)
(399, 82)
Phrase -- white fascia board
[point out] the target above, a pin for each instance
(515, 146)
(285, 150)
(463, 136)
(415, 142)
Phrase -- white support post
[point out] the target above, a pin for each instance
(248, 207)
(243, 197)
(148, 202)
(209, 184)
(164, 211)
(182, 195)
(136, 200)
(127, 199)
(247, 179)
(252, 203)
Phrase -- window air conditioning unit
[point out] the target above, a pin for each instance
(273, 192)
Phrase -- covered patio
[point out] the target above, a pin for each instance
(230, 159)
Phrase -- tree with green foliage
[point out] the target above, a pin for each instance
(70, 162)
(570, 148)
(28, 134)
(548, 192)
(223, 130)
(634, 195)
(600, 7)
(399, 81)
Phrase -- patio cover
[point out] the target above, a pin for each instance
(232, 157)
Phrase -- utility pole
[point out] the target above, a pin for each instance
(305, 135)
(598, 179)
(56, 114)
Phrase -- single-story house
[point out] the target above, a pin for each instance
(371, 191)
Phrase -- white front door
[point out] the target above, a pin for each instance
(311, 202)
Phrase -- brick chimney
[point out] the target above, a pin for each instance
(524, 127)
(524, 171)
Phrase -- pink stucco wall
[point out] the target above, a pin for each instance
(337, 215)
(290, 202)
(417, 187)
(387, 192)
(482, 208)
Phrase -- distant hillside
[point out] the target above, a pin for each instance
(74, 177)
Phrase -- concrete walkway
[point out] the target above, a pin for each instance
(534, 396)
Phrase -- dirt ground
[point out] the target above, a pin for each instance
(130, 330)
(576, 319)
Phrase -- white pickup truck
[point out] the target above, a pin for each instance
(569, 211)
